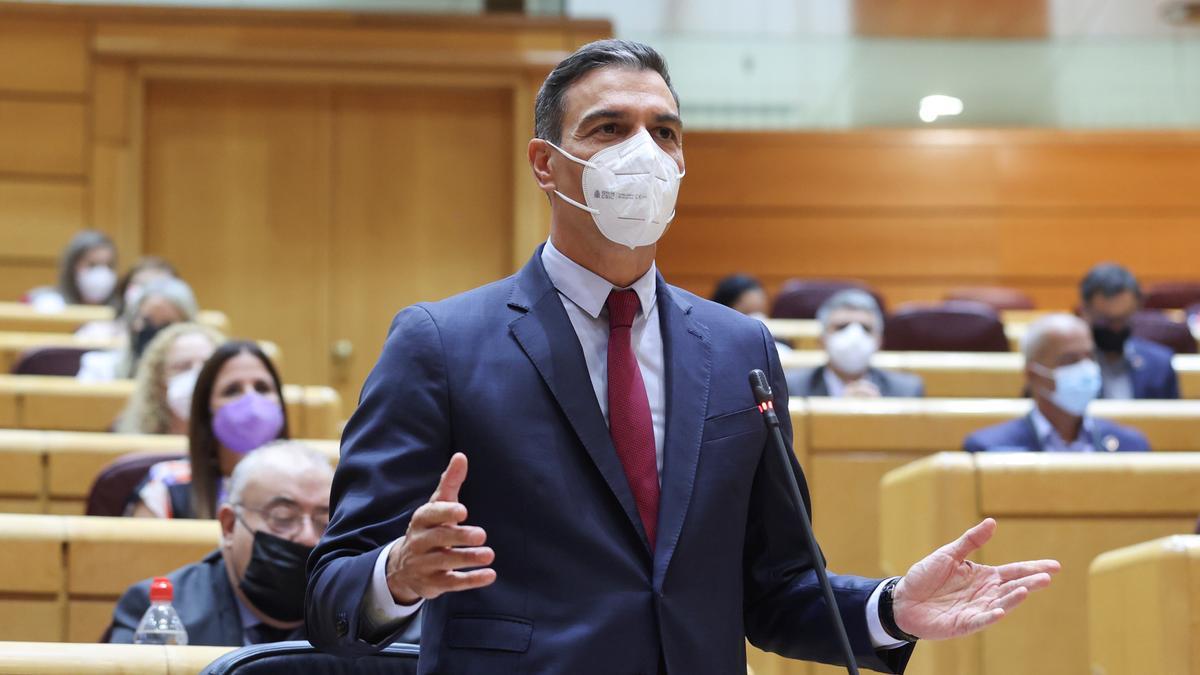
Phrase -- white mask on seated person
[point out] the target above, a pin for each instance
(630, 189)
(850, 349)
(179, 393)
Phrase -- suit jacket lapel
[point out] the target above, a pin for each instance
(228, 618)
(687, 355)
(816, 384)
(545, 334)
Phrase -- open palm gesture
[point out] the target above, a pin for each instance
(945, 595)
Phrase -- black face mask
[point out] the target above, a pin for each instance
(143, 338)
(1109, 340)
(275, 580)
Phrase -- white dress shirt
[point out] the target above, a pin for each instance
(583, 294)
(1052, 442)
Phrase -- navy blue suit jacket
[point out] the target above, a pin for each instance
(1153, 374)
(498, 373)
(1020, 435)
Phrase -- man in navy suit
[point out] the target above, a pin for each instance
(624, 513)
(1131, 367)
(1063, 378)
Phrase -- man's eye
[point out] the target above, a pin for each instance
(666, 133)
(608, 129)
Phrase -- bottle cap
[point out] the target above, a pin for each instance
(161, 590)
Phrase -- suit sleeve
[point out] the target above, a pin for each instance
(128, 613)
(1172, 383)
(784, 609)
(394, 448)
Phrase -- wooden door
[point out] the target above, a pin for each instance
(237, 197)
(422, 208)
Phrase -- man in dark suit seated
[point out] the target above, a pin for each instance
(1063, 379)
(851, 332)
(250, 590)
(1130, 367)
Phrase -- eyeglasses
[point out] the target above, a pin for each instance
(287, 520)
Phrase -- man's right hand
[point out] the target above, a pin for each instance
(426, 562)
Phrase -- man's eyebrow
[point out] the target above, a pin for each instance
(669, 118)
(597, 115)
(280, 501)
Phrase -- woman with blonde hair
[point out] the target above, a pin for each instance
(165, 378)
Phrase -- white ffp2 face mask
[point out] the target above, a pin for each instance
(179, 393)
(850, 349)
(630, 189)
(96, 283)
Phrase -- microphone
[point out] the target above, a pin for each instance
(766, 405)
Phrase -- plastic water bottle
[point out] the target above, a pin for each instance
(160, 624)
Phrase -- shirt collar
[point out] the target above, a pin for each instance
(1046, 432)
(249, 619)
(589, 290)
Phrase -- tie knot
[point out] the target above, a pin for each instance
(622, 307)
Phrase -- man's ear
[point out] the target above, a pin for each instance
(540, 153)
(227, 517)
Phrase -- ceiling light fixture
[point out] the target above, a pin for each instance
(938, 105)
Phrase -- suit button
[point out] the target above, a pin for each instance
(342, 626)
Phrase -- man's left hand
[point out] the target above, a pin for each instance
(946, 596)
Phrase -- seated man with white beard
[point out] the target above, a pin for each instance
(851, 332)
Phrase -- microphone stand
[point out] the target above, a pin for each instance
(766, 405)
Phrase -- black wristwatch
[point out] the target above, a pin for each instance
(886, 614)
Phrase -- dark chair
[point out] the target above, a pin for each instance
(299, 656)
(1160, 328)
(111, 491)
(1172, 295)
(50, 361)
(998, 298)
(801, 298)
(955, 326)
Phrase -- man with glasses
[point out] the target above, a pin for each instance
(250, 590)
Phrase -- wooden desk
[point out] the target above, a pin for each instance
(1070, 507)
(19, 317)
(1144, 607)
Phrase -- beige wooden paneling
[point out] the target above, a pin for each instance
(17, 278)
(422, 206)
(1143, 602)
(43, 56)
(1035, 638)
(237, 197)
(42, 138)
(38, 219)
(110, 100)
(1021, 208)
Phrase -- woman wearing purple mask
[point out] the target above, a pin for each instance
(237, 407)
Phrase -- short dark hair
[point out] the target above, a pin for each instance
(202, 442)
(731, 289)
(550, 106)
(1109, 280)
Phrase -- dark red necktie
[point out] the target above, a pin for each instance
(629, 420)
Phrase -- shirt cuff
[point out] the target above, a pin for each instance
(381, 610)
(880, 639)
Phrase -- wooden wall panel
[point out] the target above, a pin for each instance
(42, 138)
(422, 197)
(37, 219)
(44, 57)
(236, 197)
(918, 212)
(951, 18)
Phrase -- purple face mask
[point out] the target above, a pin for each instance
(248, 423)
